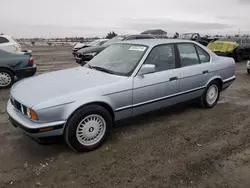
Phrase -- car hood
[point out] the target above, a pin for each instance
(79, 45)
(91, 49)
(44, 87)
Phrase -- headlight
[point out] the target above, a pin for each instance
(32, 114)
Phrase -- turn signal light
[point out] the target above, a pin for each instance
(32, 114)
(46, 129)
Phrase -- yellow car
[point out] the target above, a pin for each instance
(236, 47)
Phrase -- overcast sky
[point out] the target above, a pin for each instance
(60, 18)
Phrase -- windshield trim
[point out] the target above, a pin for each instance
(132, 71)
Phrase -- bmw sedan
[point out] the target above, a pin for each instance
(124, 80)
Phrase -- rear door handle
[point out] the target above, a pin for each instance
(173, 78)
(205, 72)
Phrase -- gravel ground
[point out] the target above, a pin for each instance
(184, 146)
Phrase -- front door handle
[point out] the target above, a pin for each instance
(205, 72)
(173, 78)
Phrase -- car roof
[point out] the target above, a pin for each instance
(155, 42)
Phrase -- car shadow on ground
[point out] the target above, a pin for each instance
(150, 119)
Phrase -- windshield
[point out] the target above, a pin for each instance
(230, 39)
(114, 40)
(119, 59)
(186, 36)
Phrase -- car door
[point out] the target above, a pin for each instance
(156, 90)
(195, 70)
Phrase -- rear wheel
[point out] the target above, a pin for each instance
(6, 78)
(238, 57)
(211, 95)
(88, 128)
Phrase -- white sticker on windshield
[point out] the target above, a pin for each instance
(138, 48)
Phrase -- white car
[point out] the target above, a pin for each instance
(8, 43)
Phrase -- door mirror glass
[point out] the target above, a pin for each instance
(146, 69)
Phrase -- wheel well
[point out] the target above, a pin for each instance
(219, 81)
(5, 68)
(102, 104)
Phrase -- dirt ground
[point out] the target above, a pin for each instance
(184, 146)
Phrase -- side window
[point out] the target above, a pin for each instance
(144, 37)
(3, 40)
(203, 55)
(131, 38)
(163, 57)
(188, 55)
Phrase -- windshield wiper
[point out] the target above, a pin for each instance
(102, 69)
(89, 66)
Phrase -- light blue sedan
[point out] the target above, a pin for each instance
(125, 80)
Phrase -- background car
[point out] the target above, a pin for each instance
(236, 47)
(86, 54)
(14, 66)
(248, 67)
(9, 44)
(126, 79)
(79, 46)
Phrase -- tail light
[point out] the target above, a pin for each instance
(31, 61)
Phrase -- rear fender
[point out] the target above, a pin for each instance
(215, 78)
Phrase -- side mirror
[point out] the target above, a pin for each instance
(147, 68)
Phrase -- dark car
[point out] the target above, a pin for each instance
(15, 66)
(235, 47)
(86, 54)
(196, 37)
(97, 42)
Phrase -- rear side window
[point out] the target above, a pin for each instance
(203, 55)
(188, 55)
(3, 40)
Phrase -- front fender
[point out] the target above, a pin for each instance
(72, 107)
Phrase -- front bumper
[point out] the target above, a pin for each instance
(34, 129)
(26, 72)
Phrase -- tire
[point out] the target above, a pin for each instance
(238, 57)
(93, 134)
(204, 100)
(6, 78)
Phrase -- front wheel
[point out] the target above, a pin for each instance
(211, 95)
(88, 128)
(6, 78)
